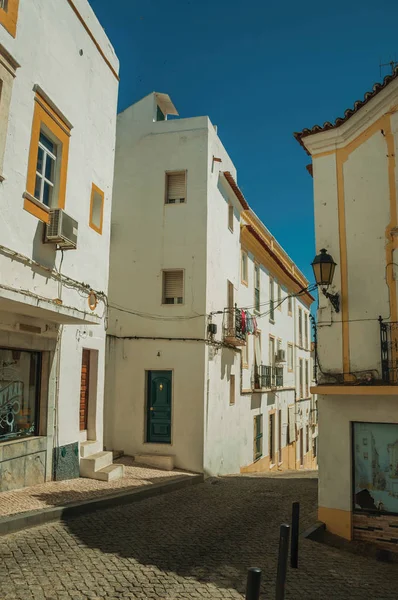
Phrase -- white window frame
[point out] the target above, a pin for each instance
(290, 354)
(244, 266)
(41, 175)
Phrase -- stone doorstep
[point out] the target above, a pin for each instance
(20, 521)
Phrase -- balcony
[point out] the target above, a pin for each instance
(233, 327)
(389, 352)
(267, 377)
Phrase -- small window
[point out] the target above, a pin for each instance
(232, 389)
(301, 390)
(45, 170)
(257, 302)
(279, 296)
(307, 438)
(96, 209)
(48, 159)
(290, 357)
(271, 300)
(300, 327)
(280, 436)
(176, 192)
(272, 351)
(173, 287)
(289, 305)
(272, 438)
(314, 446)
(230, 217)
(245, 354)
(244, 260)
(306, 330)
(258, 436)
(307, 379)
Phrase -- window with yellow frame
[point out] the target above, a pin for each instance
(96, 209)
(48, 159)
(9, 15)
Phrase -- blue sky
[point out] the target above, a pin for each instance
(260, 70)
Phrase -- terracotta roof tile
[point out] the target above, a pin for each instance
(299, 135)
(236, 190)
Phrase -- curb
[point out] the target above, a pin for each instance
(25, 520)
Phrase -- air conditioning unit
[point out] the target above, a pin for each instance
(61, 230)
(280, 356)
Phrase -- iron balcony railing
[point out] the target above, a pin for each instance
(233, 327)
(389, 352)
(267, 377)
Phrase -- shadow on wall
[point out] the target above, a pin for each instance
(227, 361)
(44, 254)
(212, 532)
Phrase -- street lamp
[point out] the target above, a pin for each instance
(323, 266)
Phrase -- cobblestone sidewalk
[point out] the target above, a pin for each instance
(193, 543)
(61, 493)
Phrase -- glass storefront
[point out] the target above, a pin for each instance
(19, 393)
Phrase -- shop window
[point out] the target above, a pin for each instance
(19, 393)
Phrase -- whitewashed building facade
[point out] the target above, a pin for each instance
(184, 379)
(355, 196)
(57, 139)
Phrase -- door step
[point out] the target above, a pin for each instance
(94, 462)
(89, 448)
(110, 473)
(164, 462)
(99, 466)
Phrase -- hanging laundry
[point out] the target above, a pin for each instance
(249, 325)
(255, 327)
(243, 321)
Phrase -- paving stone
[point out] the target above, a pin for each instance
(190, 544)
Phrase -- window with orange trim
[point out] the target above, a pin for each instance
(48, 160)
(9, 15)
(96, 209)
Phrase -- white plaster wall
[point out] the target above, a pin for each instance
(148, 236)
(85, 90)
(335, 459)
(367, 214)
(125, 418)
(327, 236)
(229, 428)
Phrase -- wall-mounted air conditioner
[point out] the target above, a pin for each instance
(280, 356)
(61, 230)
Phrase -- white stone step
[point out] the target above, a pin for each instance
(110, 473)
(158, 461)
(95, 462)
(90, 447)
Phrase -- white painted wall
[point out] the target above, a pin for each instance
(67, 65)
(366, 186)
(208, 433)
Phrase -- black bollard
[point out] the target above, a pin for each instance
(295, 535)
(282, 562)
(253, 584)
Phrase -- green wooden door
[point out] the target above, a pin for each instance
(159, 407)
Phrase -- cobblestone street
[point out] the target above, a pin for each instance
(193, 543)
